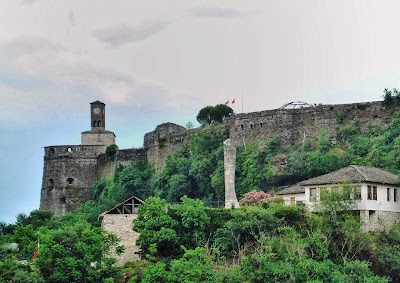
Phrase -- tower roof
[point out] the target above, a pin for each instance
(97, 102)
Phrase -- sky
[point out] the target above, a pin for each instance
(162, 61)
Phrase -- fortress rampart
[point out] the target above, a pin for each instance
(68, 175)
(70, 170)
(291, 126)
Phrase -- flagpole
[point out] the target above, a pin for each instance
(242, 102)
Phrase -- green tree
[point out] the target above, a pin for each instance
(204, 115)
(76, 253)
(156, 227)
(213, 114)
(387, 261)
(193, 221)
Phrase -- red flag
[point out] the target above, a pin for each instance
(233, 101)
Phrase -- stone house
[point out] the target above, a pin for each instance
(119, 221)
(376, 193)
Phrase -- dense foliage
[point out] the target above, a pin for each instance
(68, 249)
(268, 243)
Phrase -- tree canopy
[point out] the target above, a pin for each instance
(213, 114)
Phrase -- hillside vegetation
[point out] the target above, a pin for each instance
(191, 242)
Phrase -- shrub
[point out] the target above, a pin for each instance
(255, 198)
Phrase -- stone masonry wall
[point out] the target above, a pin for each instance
(290, 125)
(121, 226)
(68, 174)
(123, 157)
(378, 220)
(165, 140)
(97, 137)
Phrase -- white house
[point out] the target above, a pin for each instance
(376, 191)
(294, 195)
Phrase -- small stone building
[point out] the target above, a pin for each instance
(119, 221)
(375, 191)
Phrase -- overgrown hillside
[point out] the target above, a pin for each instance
(191, 242)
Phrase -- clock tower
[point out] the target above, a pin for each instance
(98, 135)
(98, 115)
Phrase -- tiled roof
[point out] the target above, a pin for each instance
(354, 174)
(296, 189)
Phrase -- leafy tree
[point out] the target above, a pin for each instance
(157, 236)
(77, 253)
(213, 114)
(189, 125)
(387, 261)
(193, 221)
(111, 150)
(204, 115)
(340, 223)
(323, 144)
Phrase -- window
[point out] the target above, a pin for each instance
(388, 194)
(51, 151)
(313, 194)
(372, 193)
(357, 193)
(70, 181)
(242, 127)
(395, 196)
(69, 149)
(50, 184)
(292, 201)
(260, 124)
(251, 126)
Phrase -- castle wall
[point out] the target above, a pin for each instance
(165, 140)
(124, 157)
(290, 126)
(68, 174)
(80, 162)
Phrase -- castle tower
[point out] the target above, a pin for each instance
(98, 135)
(69, 171)
(98, 115)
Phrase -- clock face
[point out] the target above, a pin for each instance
(96, 110)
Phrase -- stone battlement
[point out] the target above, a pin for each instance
(80, 151)
(290, 126)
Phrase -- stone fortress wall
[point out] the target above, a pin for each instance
(68, 175)
(80, 162)
(290, 126)
(165, 140)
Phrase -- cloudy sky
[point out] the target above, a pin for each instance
(161, 61)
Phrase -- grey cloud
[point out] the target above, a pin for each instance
(116, 36)
(71, 18)
(32, 87)
(216, 12)
(27, 2)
